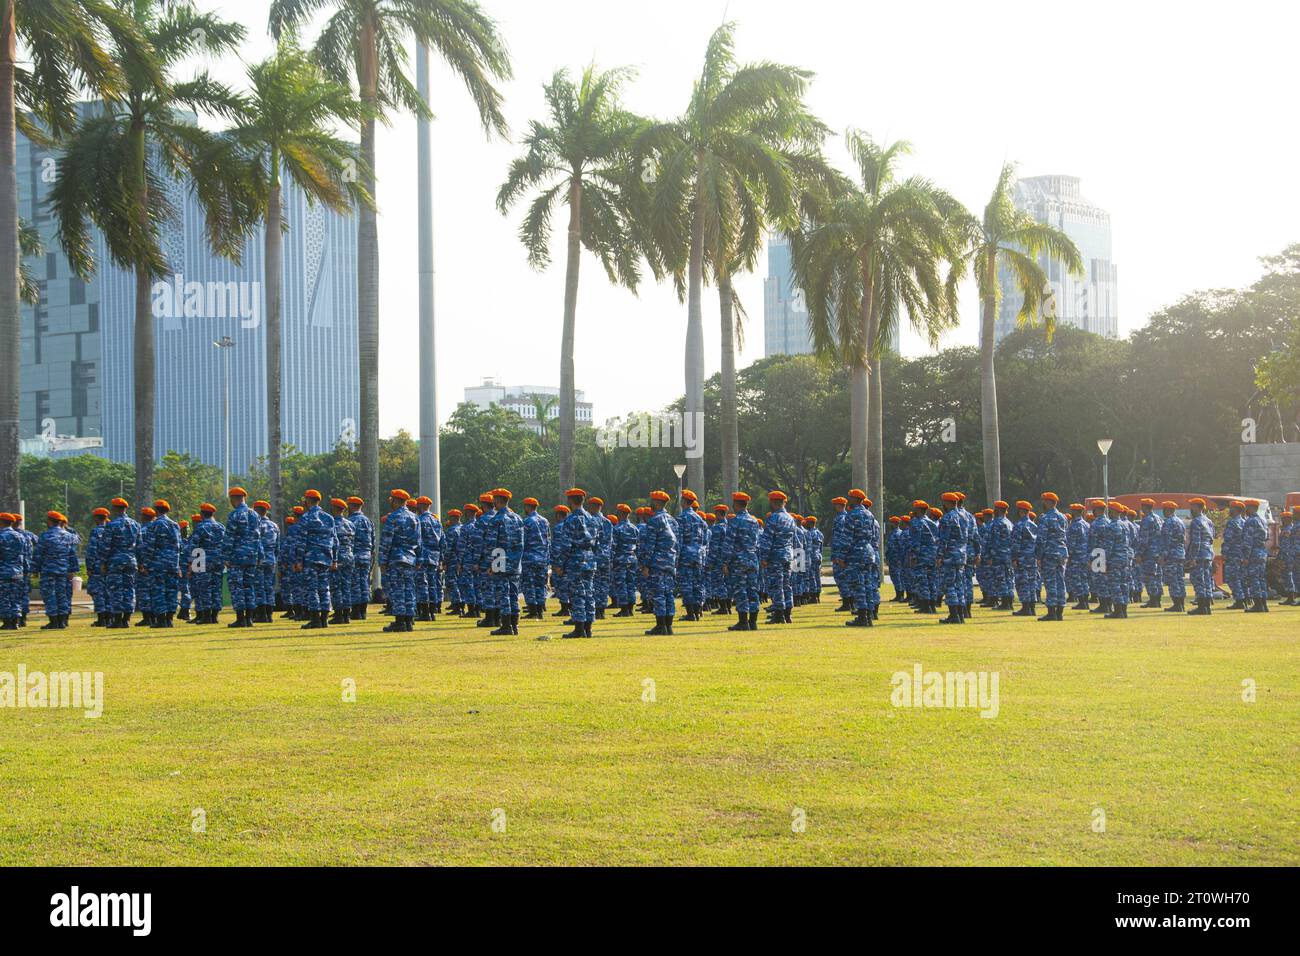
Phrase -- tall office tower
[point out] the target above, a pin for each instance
(1090, 301)
(78, 342)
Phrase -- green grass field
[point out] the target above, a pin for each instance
(747, 734)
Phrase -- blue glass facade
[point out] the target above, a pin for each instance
(78, 345)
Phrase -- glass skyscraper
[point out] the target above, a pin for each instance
(1089, 302)
(78, 342)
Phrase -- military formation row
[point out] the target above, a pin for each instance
(485, 557)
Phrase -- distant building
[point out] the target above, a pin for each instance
(1090, 302)
(78, 342)
(785, 311)
(533, 403)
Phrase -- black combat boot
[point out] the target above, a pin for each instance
(1176, 606)
(659, 626)
(742, 622)
(954, 616)
(1258, 606)
(668, 625)
(859, 619)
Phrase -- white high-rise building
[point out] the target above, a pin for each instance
(1090, 301)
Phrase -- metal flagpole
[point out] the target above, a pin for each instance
(430, 479)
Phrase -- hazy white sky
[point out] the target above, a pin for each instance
(1177, 117)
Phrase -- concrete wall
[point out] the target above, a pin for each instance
(1270, 471)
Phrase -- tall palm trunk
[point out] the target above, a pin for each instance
(568, 400)
(368, 275)
(145, 367)
(730, 418)
(10, 317)
(693, 422)
(274, 247)
(989, 403)
(876, 442)
(859, 381)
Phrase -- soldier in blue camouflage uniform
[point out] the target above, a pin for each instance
(471, 539)
(644, 584)
(950, 557)
(973, 547)
(94, 580)
(692, 534)
(997, 556)
(202, 564)
(285, 560)
(13, 574)
(537, 548)
(1200, 556)
(840, 553)
(399, 546)
(661, 546)
(428, 576)
(29, 550)
(1288, 552)
(1099, 531)
(318, 560)
(55, 559)
(118, 564)
(1117, 540)
(241, 552)
(719, 594)
(450, 561)
(1233, 565)
(269, 549)
(506, 552)
(143, 596)
(982, 518)
(1171, 548)
(363, 553)
(1077, 583)
(1254, 557)
(604, 555)
(560, 584)
(799, 563)
(343, 578)
(1024, 559)
(1052, 547)
(741, 564)
(575, 559)
(860, 556)
(183, 581)
(623, 551)
(159, 568)
(814, 559)
(922, 551)
(1146, 554)
(893, 542)
(776, 551)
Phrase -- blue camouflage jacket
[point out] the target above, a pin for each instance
(624, 545)
(209, 537)
(778, 548)
(243, 542)
(399, 539)
(999, 540)
(270, 543)
(345, 533)
(506, 540)
(121, 537)
(742, 542)
(951, 545)
(160, 544)
(363, 538)
(1200, 538)
(537, 539)
(693, 543)
(1254, 539)
(661, 542)
(431, 539)
(577, 537)
(1053, 529)
(55, 552)
(1173, 539)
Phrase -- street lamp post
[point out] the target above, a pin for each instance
(1103, 445)
(679, 470)
(226, 343)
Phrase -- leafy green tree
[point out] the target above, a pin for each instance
(578, 158)
(50, 51)
(285, 128)
(1011, 239)
(363, 45)
(113, 168)
(720, 157)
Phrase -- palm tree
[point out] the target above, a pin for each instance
(718, 156)
(364, 43)
(63, 46)
(580, 159)
(1012, 240)
(870, 250)
(542, 405)
(114, 165)
(284, 127)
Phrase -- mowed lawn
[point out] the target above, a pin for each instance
(779, 746)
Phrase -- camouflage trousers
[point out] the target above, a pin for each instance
(399, 588)
(1172, 575)
(532, 582)
(242, 579)
(690, 578)
(56, 593)
(343, 582)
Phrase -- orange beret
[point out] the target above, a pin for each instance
(424, 500)
(810, 519)
(839, 500)
(562, 509)
(209, 509)
(710, 517)
(356, 500)
(1025, 505)
(858, 493)
(961, 495)
(262, 504)
(54, 516)
(657, 495)
(624, 508)
(949, 496)
(183, 523)
(776, 495)
(613, 519)
(689, 495)
(1076, 507)
(918, 503)
(1197, 501)
(237, 492)
(312, 493)
(531, 501)
(453, 513)
(739, 496)
(196, 517)
(1236, 503)
(162, 505)
(894, 519)
(298, 509)
(1001, 504)
(1050, 496)
(290, 519)
(1169, 505)
(501, 493)
(119, 503)
(575, 493)
(399, 494)
(905, 519)
(598, 502)
(1147, 501)
(1116, 506)
(338, 503)
(148, 512)
(485, 498)
(935, 513)
(100, 513)
(720, 508)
